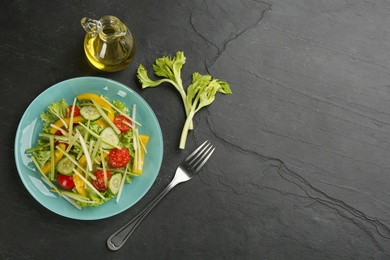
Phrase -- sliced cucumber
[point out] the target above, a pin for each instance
(80, 128)
(65, 166)
(114, 183)
(90, 113)
(109, 138)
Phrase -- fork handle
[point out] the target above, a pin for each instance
(117, 240)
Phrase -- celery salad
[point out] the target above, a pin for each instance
(88, 150)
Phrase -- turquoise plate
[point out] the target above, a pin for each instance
(30, 126)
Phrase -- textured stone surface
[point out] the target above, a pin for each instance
(301, 169)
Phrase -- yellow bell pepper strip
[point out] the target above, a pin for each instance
(99, 101)
(57, 157)
(82, 161)
(79, 184)
(144, 139)
(59, 123)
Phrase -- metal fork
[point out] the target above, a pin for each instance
(186, 170)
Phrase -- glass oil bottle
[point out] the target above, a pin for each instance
(108, 43)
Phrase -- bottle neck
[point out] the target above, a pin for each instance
(111, 28)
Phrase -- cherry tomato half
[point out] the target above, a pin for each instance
(65, 182)
(122, 122)
(76, 111)
(99, 182)
(119, 158)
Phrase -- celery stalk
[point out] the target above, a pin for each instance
(135, 140)
(86, 152)
(199, 94)
(104, 167)
(78, 197)
(170, 69)
(52, 162)
(90, 148)
(56, 137)
(184, 133)
(72, 141)
(96, 148)
(44, 175)
(118, 196)
(71, 117)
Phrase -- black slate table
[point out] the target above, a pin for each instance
(302, 168)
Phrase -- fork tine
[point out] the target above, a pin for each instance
(202, 163)
(195, 152)
(197, 160)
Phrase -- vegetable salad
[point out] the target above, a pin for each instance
(88, 150)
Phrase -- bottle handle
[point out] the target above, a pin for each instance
(89, 25)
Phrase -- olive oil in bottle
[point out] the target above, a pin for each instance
(108, 44)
